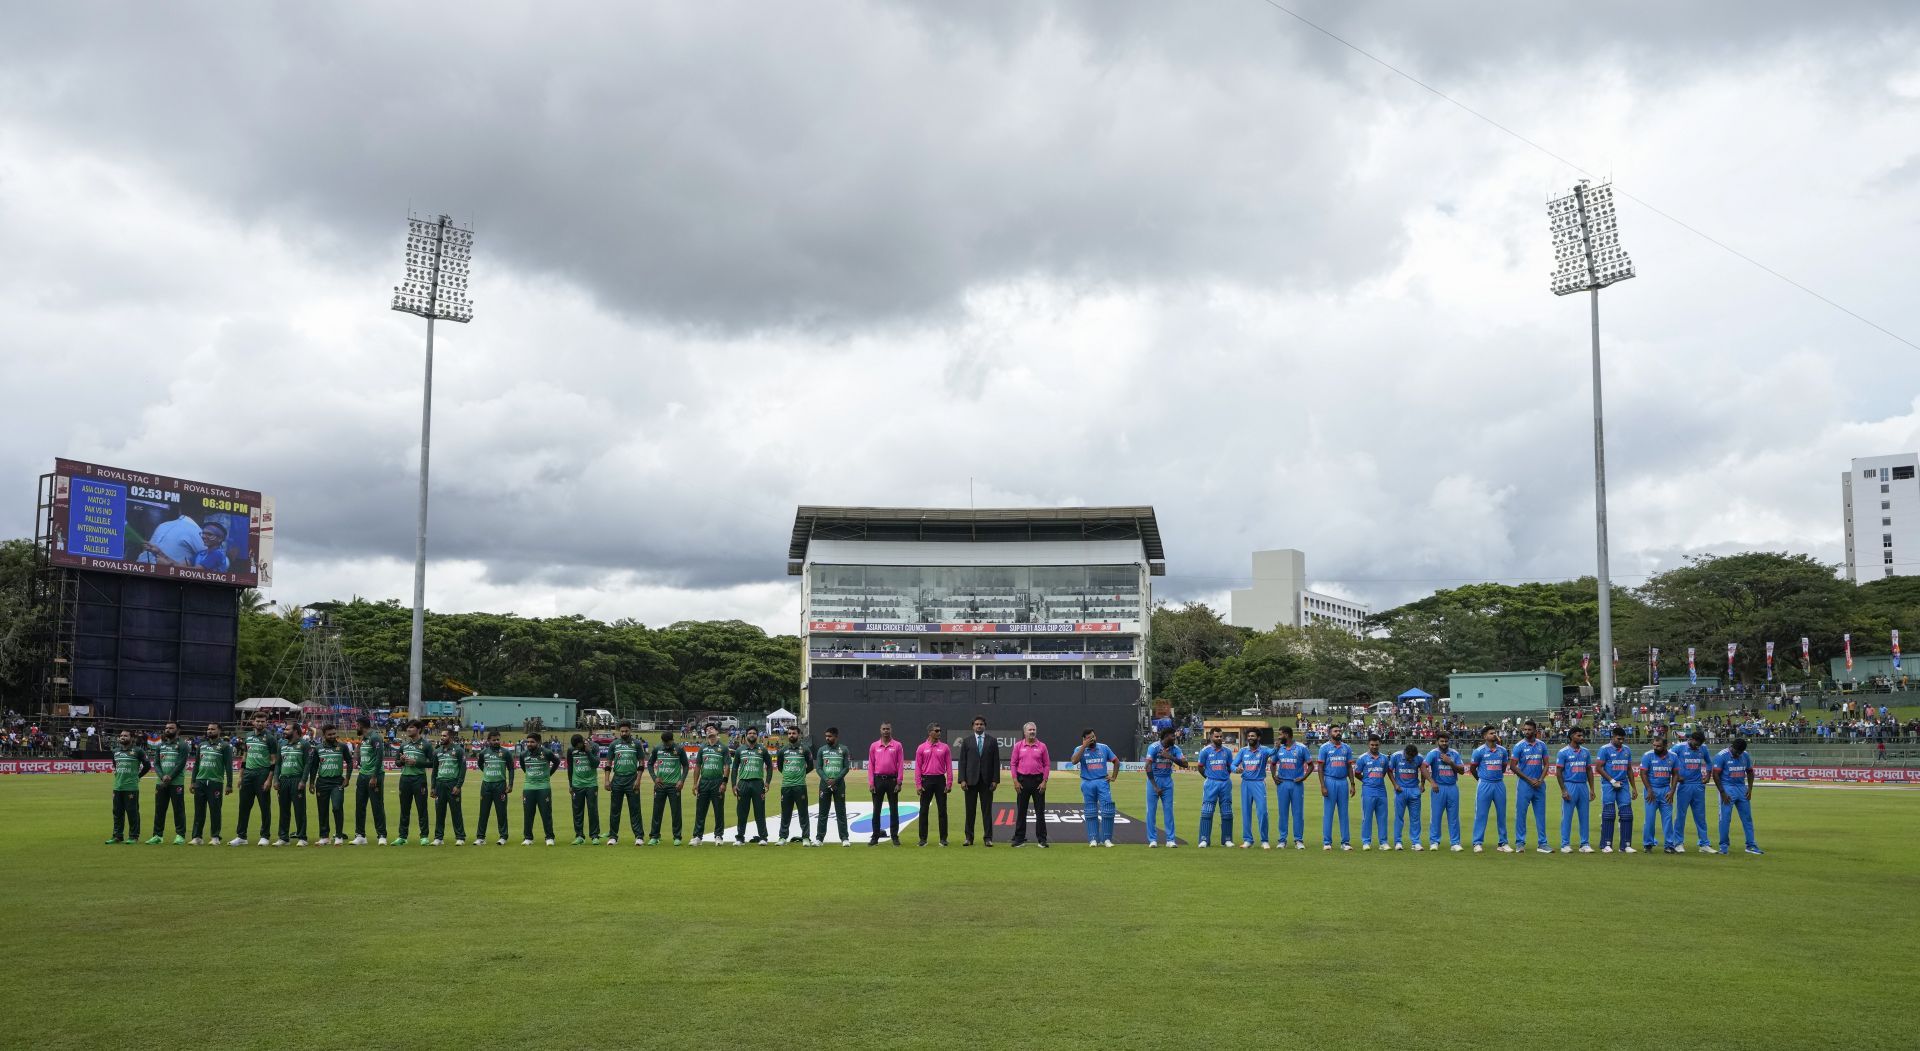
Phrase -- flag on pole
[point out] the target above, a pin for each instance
(1616, 662)
(1806, 657)
(1896, 649)
(1653, 665)
(1769, 662)
(1693, 673)
(1587, 659)
(1847, 641)
(1731, 646)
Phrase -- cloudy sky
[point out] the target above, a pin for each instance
(736, 257)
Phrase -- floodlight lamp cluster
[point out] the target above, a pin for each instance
(1586, 241)
(439, 255)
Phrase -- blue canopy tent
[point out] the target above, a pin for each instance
(1424, 698)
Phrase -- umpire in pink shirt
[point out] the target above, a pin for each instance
(933, 769)
(1031, 767)
(886, 761)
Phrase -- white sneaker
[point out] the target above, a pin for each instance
(1245, 843)
(300, 843)
(1543, 850)
(549, 842)
(1456, 848)
(1151, 845)
(236, 842)
(1584, 849)
(1346, 847)
(1299, 844)
(697, 841)
(1403, 846)
(1608, 849)
(383, 841)
(436, 842)
(1171, 844)
(1476, 848)
(613, 841)
(479, 842)
(1679, 848)
(846, 842)
(1416, 848)
(1326, 846)
(1202, 845)
(1093, 843)
(1106, 842)
(526, 842)
(275, 843)
(1266, 846)
(462, 842)
(339, 841)
(502, 841)
(1366, 846)
(1504, 849)
(1629, 849)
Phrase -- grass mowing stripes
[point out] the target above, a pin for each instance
(576, 947)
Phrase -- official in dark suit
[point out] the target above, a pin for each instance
(979, 776)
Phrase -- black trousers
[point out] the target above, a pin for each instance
(207, 796)
(253, 789)
(793, 800)
(886, 787)
(710, 795)
(630, 797)
(933, 795)
(443, 801)
(532, 799)
(293, 801)
(369, 791)
(126, 807)
(413, 795)
(1032, 790)
(832, 797)
(175, 796)
(979, 798)
(493, 801)
(330, 799)
(753, 796)
(586, 813)
(664, 796)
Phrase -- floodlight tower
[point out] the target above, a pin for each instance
(438, 252)
(1587, 257)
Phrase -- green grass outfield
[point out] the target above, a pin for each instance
(1814, 944)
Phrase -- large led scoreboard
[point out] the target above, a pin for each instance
(142, 574)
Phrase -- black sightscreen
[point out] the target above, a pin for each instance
(155, 649)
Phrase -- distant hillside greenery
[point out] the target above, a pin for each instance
(1199, 661)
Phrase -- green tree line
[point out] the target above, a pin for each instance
(1199, 661)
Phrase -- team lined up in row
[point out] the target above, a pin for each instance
(1674, 780)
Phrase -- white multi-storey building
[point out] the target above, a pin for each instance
(1280, 595)
(1880, 501)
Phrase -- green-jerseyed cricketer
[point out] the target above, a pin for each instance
(369, 788)
(294, 767)
(416, 760)
(332, 761)
(496, 780)
(795, 763)
(710, 763)
(449, 774)
(212, 779)
(750, 765)
(536, 791)
(669, 768)
(259, 751)
(626, 757)
(170, 759)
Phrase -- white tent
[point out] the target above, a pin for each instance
(780, 719)
(262, 704)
